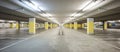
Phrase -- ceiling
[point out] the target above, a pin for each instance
(60, 10)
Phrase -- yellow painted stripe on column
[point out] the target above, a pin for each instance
(71, 25)
(75, 26)
(17, 25)
(11, 25)
(32, 27)
(51, 25)
(82, 25)
(46, 25)
(90, 27)
(67, 25)
(105, 25)
(56, 25)
(110, 24)
(79, 25)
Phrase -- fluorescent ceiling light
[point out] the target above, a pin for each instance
(91, 5)
(41, 7)
(11, 21)
(79, 14)
(35, 7)
(111, 21)
(76, 14)
(49, 14)
(45, 15)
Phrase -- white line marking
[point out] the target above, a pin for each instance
(17, 42)
(103, 42)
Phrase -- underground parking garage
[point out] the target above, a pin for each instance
(59, 25)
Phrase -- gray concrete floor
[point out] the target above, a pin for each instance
(51, 41)
(111, 36)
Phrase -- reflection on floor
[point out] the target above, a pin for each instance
(51, 41)
(111, 35)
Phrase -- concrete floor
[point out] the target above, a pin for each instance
(111, 36)
(51, 41)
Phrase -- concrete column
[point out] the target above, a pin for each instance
(109, 24)
(83, 25)
(90, 25)
(75, 26)
(70, 25)
(79, 25)
(55, 25)
(18, 25)
(51, 25)
(46, 25)
(11, 25)
(104, 25)
(66, 25)
(32, 27)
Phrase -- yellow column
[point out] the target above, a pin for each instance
(17, 25)
(65, 25)
(32, 28)
(51, 25)
(110, 24)
(11, 25)
(68, 25)
(56, 25)
(90, 26)
(75, 26)
(71, 25)
(46, 25)
(79, 25)
(105, 25)
(83, 25)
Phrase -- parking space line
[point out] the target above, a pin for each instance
(18, 42)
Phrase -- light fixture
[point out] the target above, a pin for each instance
(78, 14)
(36, 7)
(92, 4)
(30, 4)
(87, 7)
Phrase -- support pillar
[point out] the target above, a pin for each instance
(51, 25)
(46, 25)
(105, 25)
(75, 26)
(11, 25)
(18, 25)
(70, 25)
(79, 25)
(32, 28)
(83, 25)
(90, 25)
